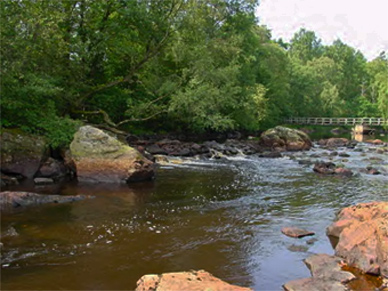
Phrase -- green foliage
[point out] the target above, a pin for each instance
(59, 131)
(172, 64)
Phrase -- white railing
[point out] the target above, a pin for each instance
(336, 120)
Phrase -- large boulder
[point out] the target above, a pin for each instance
(188, 281)
(99, 157)
(21, 153)
(10, 199)
(283, 138)
(360, 236)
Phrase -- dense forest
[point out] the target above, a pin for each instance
(171, 65)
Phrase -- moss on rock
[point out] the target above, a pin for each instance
(21, 153)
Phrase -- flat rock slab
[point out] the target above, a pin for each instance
(314, 284)
(185, 281)
(9, 199)
(328, 267)
(362, 234)
(296, 232)
(326, 275)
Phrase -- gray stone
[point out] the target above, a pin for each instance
(314, 284)
(296, 232)
(43, 181)
(99, 157)
(10, 199)
(283, 138)
(327, 275)
(21, 153)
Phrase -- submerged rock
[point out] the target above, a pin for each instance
(361, 234)
(99, 157)
(9, 199)
(326, 168)
(296, 232)
(187, 281)
(372, 171)
(270, 155)
(329, 168)
(285, 139)
(343, 172)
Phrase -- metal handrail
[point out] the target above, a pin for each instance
(336, 120)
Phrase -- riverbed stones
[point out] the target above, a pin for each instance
(188, 281)
(296, 232)
(21, 153)
(285, 139)
(99, 157)
(326, 275)
(361, 236)
(326, 168)
(372, 171)
(270, 155)
(343, 172)
(334, 142)
(11, 199)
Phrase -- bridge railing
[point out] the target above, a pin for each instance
(336, 121)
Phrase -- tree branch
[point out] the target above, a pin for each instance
(141, 119)
(111, 124)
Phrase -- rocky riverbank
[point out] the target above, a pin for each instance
(96, 156)
(360, 239)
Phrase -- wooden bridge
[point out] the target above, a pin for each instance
(336, 121)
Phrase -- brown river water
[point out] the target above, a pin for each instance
(223, 216)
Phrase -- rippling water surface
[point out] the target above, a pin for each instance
(223, 216)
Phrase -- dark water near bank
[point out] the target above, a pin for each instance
(221, 216)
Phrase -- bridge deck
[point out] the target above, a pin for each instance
(336, 121)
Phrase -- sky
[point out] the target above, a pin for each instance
(360, 24)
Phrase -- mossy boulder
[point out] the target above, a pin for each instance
(99, 157)
(21, 153)
(285, 139)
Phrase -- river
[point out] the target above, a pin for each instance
(223, 216)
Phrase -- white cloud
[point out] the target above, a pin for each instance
(361, 24)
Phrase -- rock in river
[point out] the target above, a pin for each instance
(9, 199)
(285, 139)
(327, 275)
(187, 281)
(334, 142)
(100, 157)
(296, 232)
(360, 236)
(327, 168)
(21, 153)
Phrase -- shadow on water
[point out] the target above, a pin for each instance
(224, 217)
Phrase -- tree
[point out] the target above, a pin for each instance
(353, 73)
(305, 46)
